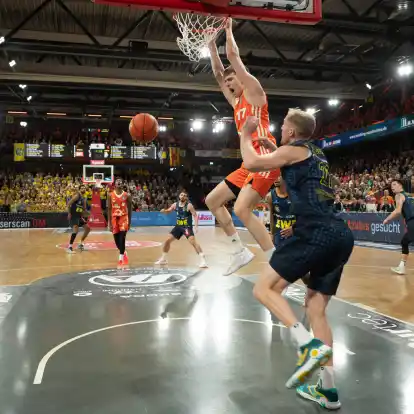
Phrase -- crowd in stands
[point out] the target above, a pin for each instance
(50, 193)
(364, 183)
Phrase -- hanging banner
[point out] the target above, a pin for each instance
(174, 156)
(18, 152)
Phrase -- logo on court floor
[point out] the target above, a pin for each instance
(145, 282)
(109, 245)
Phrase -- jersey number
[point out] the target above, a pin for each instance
(326, 179)
(241, 114)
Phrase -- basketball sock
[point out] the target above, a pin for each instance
(122, 237)
(326, 376)
(164, 256)
(269, 253)
(121, 257)
(201, 254)
(116, 238)
(236, 244)
(301, 335)
(402, 264)
(72, 239)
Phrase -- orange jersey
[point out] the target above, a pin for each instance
(243, 109)
(119, 204)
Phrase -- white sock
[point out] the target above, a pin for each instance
(164, 256)
(70, 246)
(301, 334)
(402, 264)
(236, 244)
(121, 257)
(201, 255)
(326, 375)
(269, 253)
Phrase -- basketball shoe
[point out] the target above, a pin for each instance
(126, 260)
(310, 357)
(326, 398)
(239, 260)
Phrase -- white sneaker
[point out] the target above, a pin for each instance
(239, 260)
(70, 251)
(161, 261)
(203, 264)
(399, 270)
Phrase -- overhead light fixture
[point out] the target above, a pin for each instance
(218, 127)
(2, 40)
(360, 106)
(29, 98)
(163, 118)
(311, 111)
(163, 128)
(126, 116)
(368, 86)
(56, 113)
(94, 115)
(333, 102)
(197, 125)
(23, 124)
(272, 127)
(17, 112)
(211, 163)
(21, 86)
(12, 63)
(405, 69)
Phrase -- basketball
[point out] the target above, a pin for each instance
(143, 128)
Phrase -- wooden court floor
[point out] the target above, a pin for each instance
(29, 255)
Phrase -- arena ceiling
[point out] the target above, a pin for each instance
(79, 57)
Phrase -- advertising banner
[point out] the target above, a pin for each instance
(155, 218)
(369, 227)
(18, 152)
(12, 221)
(370, 132)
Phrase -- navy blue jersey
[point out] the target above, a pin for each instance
(281, 212)
(184, 216)
(310, 186)
(78, 206)
(408, 207)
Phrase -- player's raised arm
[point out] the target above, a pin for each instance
(252, 85)
(284, 155)
(218, 71)
(192, 210)
(129, 210)
(169, 209)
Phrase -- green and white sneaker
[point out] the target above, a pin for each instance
(325, 398)
(310, 357)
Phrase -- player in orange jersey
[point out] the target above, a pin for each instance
(245, 94)
(119, 213)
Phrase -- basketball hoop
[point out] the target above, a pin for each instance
(197, 32)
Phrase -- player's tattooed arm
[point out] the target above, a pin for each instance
(399, 200)
(283, 156)
(252, 85)
(169, 209)
(191, 209)
(218, 71)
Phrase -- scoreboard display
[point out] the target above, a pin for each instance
(93, 152)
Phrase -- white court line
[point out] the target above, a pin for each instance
(42, 364)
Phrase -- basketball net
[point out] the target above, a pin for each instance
(197, 32)
(98, 183)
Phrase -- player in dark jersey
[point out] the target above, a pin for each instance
(405, 207)
(78, 217)
(281, 217)
(321, 244)
(185, 215)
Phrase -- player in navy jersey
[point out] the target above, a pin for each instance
(184, 227)
(405, 207)
(281, 217)
(78, 217)
(321, 244)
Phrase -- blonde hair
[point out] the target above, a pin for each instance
(304, 122)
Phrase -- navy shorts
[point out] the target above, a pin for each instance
(78, 220)
(278, 240)
(320, 249)
(179, 231)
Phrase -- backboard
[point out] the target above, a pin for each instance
(104, 173)
(282, 11)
